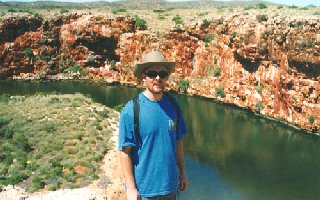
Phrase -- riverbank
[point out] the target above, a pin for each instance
(89, 138)
(172, 87)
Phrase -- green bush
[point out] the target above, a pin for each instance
(217, 71)
(202, 14)
(259, 89)
(37, 183)
(140, 24)
(259, 106)
(177, 19)
(261, 6)
(220, 92)
(161, 17)
(262, 18)
(112, 65)
(119, 107)
(311, 119)
(12, 10)
(4, 121)
(206, 23)
(316, 13)
(207, 38)
(28, 53)
(119, 10)
(75, 68)
(159, 11)
(64, 10)
(293, 7)
(183, 85)
(234, 34)
(248, 8)
(45, 57)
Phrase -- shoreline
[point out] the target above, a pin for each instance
(209, 98)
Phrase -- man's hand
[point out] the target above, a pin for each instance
(183, 182)
(132, 194)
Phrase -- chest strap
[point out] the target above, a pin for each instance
(136, 109)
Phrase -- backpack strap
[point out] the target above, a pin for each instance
(136, 109)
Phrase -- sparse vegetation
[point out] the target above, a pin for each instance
(113, 65)
(234, 34)
(248, 8)
(259, 106)
(28, 53)
(140, 23)
(206, 23)
(220, 92)
(217, 71)
(202, 13)
(64, 10)
(76, 69)
(40, 143)
(177, 19)
(161, 17)
(207, 38)
(293, 7)
(159, 11)
(259, 89)
(183, 85)
(119, 10)
(311, 119)
(262, 18)
(261, 6)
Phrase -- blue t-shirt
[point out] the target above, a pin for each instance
(154, 164)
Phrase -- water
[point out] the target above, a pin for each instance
(231, 154)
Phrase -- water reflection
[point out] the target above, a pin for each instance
(259, 158)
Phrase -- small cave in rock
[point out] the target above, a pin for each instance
(102, 46)
(248, 64)
(310, 69)
(11, 30)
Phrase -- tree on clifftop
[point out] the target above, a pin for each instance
(140, 24)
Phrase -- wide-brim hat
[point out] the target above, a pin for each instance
(154, 58)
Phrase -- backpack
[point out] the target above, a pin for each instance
(136, 110)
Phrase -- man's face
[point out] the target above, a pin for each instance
(155, 78)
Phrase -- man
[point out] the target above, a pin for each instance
(149, 161)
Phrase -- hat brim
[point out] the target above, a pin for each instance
(141, 67)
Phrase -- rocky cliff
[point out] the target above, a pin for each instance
(268, 65)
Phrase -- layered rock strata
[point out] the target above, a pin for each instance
(270, 66)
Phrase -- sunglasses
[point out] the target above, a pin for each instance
(154, 74)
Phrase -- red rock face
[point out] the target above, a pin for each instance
(270, 67)
(14, 27)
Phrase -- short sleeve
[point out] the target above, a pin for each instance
(126, 127)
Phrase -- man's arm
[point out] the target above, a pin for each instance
(182, 168)
(126, 166)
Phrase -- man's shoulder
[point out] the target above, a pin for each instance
(128, 108)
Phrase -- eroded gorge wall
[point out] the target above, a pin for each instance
(271, 67)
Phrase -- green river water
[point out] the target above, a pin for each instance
(230, 152)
